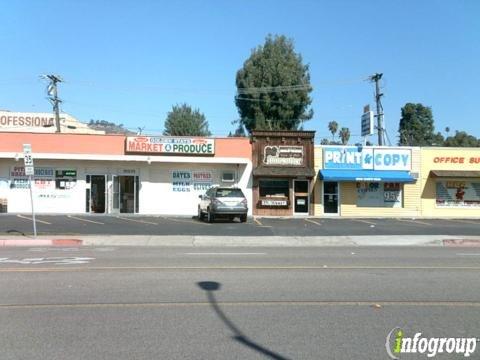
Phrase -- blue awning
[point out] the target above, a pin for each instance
(366, 175)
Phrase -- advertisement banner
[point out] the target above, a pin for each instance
(455, 193)
(374, 194)
(170, 145)
(283, 155)
(363, 158)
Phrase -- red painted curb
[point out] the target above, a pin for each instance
(41, 242)
(461, 242)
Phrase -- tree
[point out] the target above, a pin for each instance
(462, 139)
(416, 125)
(184, 121)
(333, 127)
(273, 87)
(344, 135)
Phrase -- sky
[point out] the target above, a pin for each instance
(129, 62)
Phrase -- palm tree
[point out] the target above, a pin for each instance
(447, 130)
(333, 127)
(344, 135)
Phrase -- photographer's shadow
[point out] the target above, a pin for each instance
(210, 287)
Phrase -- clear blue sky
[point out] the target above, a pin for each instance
(130, 61)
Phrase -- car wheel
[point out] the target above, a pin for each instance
(200, 214)
(210, 216)
(243, 218)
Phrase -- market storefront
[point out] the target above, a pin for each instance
(451, 182)
(361, 181)
(282, 172)
(115, 174)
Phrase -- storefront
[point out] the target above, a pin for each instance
(451, 182)
(367, 181)
(113, 174)
(283, 172)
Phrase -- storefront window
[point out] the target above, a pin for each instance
(375, 194)
(274, 188)
(458, 193)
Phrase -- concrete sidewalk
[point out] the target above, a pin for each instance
(241, 241)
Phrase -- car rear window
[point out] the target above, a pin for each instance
(229, 193)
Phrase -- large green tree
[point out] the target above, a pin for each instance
(417, 126)
(185, 121)
(273, 87)
(462, 139)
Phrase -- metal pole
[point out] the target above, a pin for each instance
(33, 210)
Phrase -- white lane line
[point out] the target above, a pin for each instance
(228, 254)
(313, 222)
(257, 222)
(415, 222)
(37, 220)
(467, 254)
(139, 221)
(90, 221)
(364, 221)
(199, 222)
(463, 221)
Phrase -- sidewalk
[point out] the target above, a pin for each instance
(242, 241)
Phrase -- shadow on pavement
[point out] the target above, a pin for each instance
(210, 287)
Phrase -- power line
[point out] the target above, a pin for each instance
(52, 92)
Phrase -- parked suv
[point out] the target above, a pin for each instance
(223, 201)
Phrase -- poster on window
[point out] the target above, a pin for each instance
(202, 180)
(375, 194)
(453, 193)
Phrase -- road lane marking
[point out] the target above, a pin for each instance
(134, 220)
(246, 303)
(463, 221)
(467, 254)
(37, 220)
(187, 268)
(225, 253)
(415, 222)
(257, 222)
(86, 220)
(199, 222)
(364, 221)
(313, 222)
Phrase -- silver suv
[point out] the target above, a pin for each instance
(223, 201)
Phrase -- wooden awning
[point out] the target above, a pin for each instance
(455, 173)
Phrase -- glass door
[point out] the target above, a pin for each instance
(330, 197)
(115, 194)
(301, 197)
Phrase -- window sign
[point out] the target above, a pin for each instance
(453, 193)
(374, 194)
(202, 180)
(283, 155)
(181, 181)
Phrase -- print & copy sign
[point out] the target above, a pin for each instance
(360, 158)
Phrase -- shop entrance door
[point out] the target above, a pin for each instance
(330, 197)
(95, 193)
(124, 194)
(301, 197)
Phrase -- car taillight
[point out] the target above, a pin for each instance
(244, 202)
(217, 202)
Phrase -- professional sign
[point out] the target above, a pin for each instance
(170, 145)
(366, 158)
(455, 193)
(283, 155)
(12, 121)
(367, 123)
(271, 202)
(471, 160)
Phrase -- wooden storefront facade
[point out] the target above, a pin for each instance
(283, 172)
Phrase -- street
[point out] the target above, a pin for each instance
(232, 303)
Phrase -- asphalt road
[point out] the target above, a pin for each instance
(161, 225)
(217, 303)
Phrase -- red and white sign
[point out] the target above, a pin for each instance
(170, 145)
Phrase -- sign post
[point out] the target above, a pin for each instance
(29, 171)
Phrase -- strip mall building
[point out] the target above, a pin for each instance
(116, 174)
(282, 173)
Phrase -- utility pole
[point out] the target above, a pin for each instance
(53, 97)
(381, 131)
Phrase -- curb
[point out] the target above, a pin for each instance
(40, 242)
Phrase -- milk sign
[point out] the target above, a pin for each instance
(363, 158)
